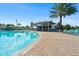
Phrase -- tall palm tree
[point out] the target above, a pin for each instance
(61, 10)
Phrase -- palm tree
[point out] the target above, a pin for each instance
(61, 10)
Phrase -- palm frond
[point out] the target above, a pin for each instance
(63, 9)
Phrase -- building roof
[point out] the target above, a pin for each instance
(44, 23)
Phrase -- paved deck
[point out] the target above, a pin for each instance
(54, 44)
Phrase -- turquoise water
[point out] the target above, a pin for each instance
(11, 41)
(72, 31)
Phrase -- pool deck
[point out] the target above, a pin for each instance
(54, 44)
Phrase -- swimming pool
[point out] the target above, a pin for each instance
(13, 41)
(72, 31)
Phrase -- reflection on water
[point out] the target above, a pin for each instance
(11, 42)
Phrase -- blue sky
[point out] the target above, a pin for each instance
(26, 13)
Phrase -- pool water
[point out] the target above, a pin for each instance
(72, 31)
(12, 41)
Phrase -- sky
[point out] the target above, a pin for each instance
(26, 13)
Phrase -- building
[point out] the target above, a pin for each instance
(46, 26)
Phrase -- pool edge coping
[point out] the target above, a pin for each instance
(30, 46)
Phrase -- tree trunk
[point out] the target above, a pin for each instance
(48, 26)
(60, 23)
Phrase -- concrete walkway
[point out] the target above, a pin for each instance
(54, 44)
